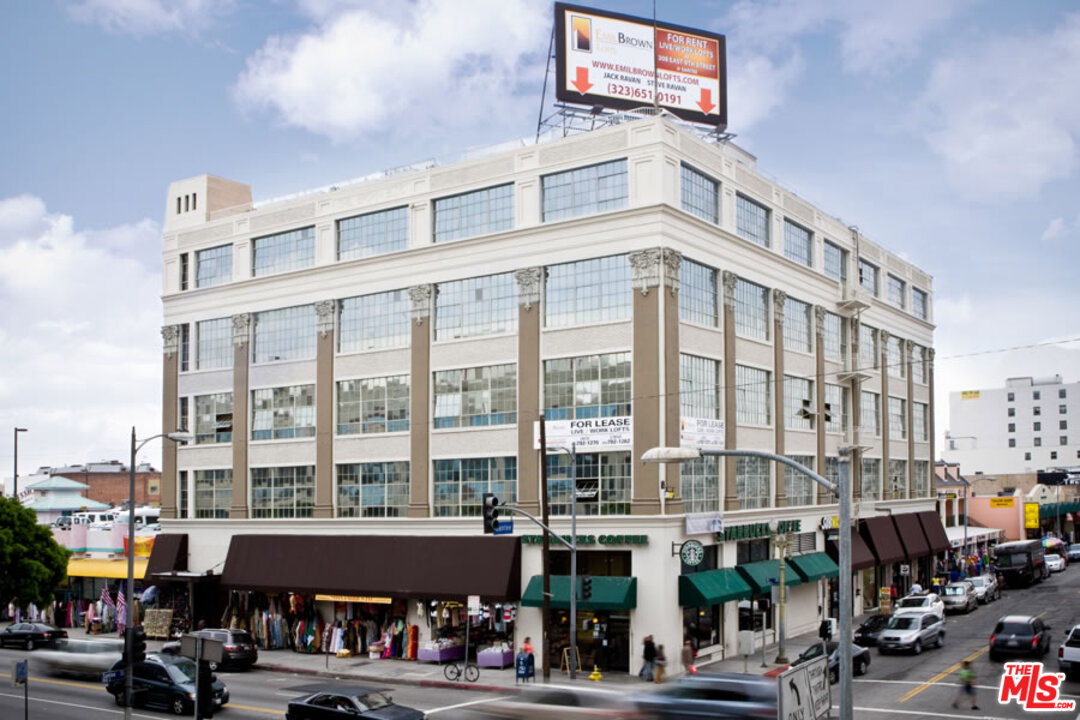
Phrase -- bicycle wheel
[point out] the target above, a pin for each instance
(472, 673)
(452, 672)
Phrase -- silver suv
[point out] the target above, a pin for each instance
(912, 631)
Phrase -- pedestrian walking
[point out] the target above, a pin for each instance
(967, 686)
(648, 657)
(526, 647)
(687, 658)
(661, 664)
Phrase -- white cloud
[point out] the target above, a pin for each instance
(151, 17)
(430, 61)
(1054, 230)
(81, 337)
(1007, 97)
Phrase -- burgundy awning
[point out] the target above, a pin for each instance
(169, 554)
(934, 530)
(911, 535)
(880, 534)
(861, 557)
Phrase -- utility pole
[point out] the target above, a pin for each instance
(545, 612)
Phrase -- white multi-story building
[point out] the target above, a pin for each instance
(1020, 428)
(360, 364)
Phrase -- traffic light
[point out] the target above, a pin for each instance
(491, 513)
(825, 630)
(137, 643)
(586, 587)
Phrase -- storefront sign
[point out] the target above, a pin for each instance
(1031, 515)
(587, 540)
(701, 523)
(701, 433)
(587, 434)
(885, 601)
(759, 530)
(830, 523)
(356, 599)
(1003, 502)
(969, 395)
(474, 604)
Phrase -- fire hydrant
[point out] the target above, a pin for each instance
(595, 675)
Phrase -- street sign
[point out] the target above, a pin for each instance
(505, 527)
(804, 691)
(474, 604)
(20, 673)
(212, 650)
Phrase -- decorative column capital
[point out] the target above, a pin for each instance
(528, 286)
(672, 261)
(779, 298)
(241, 328)
(420, 296)
(170, 335)
(645, 269)
(730, 279)
(819, 319)
(324, 316)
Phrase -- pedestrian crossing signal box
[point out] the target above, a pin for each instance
(212, 650)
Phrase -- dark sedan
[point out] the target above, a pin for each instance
(710, 695)
(860, 659)
(31, 635)
(337, 703)
(1019, 635)
(868, 633)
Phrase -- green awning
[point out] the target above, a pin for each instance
(814, 566)
(608, 593)
(712, 587)
(758, 574)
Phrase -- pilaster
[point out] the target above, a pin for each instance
(241, 369)
(529, 372)
(325, 315)
(645, 267)
(170, 335)
(421, 298)
(731, 493)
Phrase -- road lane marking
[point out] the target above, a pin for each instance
(466, 704)
(67, 683)
(944, 673)
(110, 711)
(250, 708)
(922, 713)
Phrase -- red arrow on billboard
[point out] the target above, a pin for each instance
(581, 82)
(706, 101)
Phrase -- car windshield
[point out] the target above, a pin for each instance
(182, 672)
(1075, 547)
(914, 602)
(373, 701)
(978, 581)
(954, 590)
(902, 622)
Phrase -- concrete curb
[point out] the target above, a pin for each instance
(379, 679)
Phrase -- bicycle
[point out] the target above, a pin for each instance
(453, 671)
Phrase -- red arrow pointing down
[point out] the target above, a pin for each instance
(706, 101)
(581, 82)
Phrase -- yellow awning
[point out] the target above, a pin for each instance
(101, 568)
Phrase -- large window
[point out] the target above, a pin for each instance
(474, 213)
(587, 292)
(476, 306)
(868, 347)
(868, 276)
(919, 304)
(870, 413)
(751, 310)
(213, 493)
(918, 363)
(752, 480)
(871, 478)
(834, 337)
(920, 480)
(374, 322)
(700, 483)
(213, 418)
(699, 387)
(920, 422)
(373, 405)
(898, 481)
(700, 194)
(584, 191)
(183, 483)
(836, 398)
(283, 413)
(476, 397)
(798, 403)
(286, 334)
(607, 473)
(215, 344)
(897, 418)
(894, 356)
(797, 244)
(752, 396)
(291, 250)
(213, 266)
(589, 386)
(283, 492)
(697, 294)
(751, 220)
(373, 234)
(460, 485)
(373, 489)
(797, 335)
(798, 486)
(896, 291)
(836, 259)
(185, 346)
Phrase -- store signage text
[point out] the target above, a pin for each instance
(1006, 502)
(592, 539)
(759, 530)
(587, 433)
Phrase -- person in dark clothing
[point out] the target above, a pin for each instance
(648, 668)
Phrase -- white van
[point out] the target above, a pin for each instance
(90, 518)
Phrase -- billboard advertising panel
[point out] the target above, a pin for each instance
(623, 62)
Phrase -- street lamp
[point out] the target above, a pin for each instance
(782, 542)
(129, 591)
(15, 479)
(842, 489)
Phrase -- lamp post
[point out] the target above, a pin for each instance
(842, 489)
(15, 477)
(571, 453)
(129, 589)
(782, 541)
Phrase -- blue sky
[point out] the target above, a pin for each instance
(946, 131)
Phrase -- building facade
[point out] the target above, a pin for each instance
(368, 360)
(1020, 428)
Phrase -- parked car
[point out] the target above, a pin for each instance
(924, 602)
(860, 657)
(986, 588)
(912, 632)
(555, 702)
(348, 701)
(31, 635)
(1069, 652)
(77, 656)
(868, 632)
(1073, 553)
(239, 649)
(1054, 562)
(713, 695)
(163, 681)
(1019, 635)
(960, 596)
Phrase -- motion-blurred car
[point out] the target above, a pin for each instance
(711, 695)
(1073, 553)
(76, 656)
(163, 681)
(552, 701)
(986, 587)
(924, 602)
(238, 652)
(860, 658)
(869, 631)
(1019, 635)
(345, 701)
(31, 635)
(912, 632)
(960, 596)
(1054, 562)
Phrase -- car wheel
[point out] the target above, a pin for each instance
(178, 706)
(941, 640)
(834, 675)
(994, 657)
(860, 666)
(916, 648)
(30, 644)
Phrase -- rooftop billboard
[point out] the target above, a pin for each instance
(618, 61)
